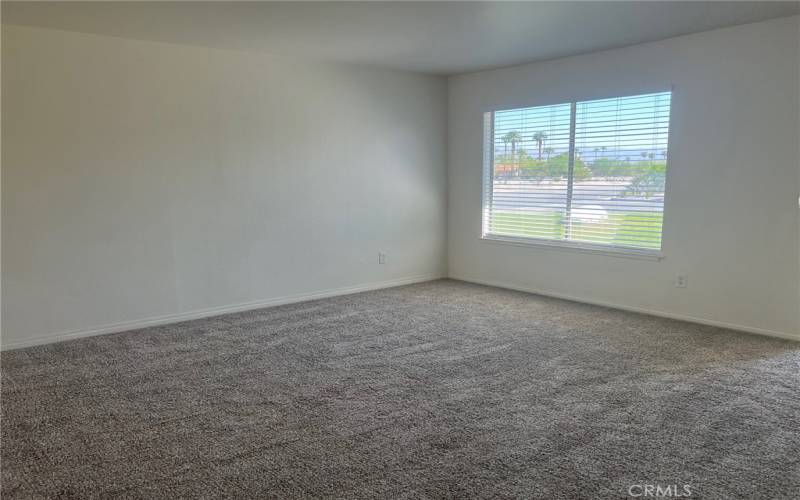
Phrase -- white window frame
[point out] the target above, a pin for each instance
(530, 241)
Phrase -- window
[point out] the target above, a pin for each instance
(587, 174)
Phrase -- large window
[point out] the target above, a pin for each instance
(584, 174)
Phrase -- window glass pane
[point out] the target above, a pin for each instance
(529, 181)
(620, 169)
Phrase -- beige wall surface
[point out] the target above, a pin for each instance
(145, 181)
(731, 210)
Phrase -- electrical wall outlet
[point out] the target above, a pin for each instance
(680, 280)
(381, 258)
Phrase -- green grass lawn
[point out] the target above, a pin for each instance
(633, 229)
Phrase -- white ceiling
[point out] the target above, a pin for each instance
(432, 37)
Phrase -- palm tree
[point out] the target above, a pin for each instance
(513, 137)
(506, 139)
(539, 137)
(548, 152)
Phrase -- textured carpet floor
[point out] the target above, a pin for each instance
(442, 389)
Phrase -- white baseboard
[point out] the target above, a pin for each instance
(651, 312)
(214, 311)
(290, 299)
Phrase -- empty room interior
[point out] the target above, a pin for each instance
(400, 250)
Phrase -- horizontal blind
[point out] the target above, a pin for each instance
(531, 149)
(597, 181)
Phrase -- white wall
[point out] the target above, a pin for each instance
(731, 216)
(145, 180)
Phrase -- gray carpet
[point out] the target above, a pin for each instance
(437, 390)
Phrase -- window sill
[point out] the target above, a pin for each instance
(621, 252)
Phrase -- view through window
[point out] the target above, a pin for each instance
(586, 173)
